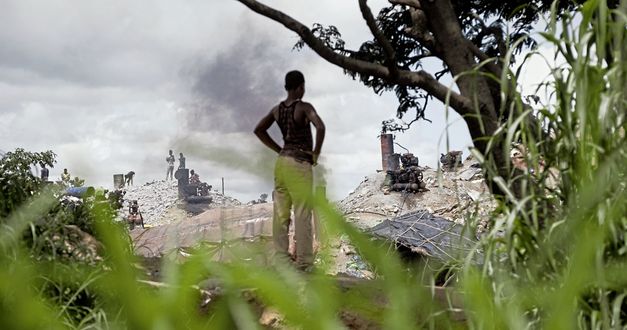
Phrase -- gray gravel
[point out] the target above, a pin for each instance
(154, 198)
(158, 201)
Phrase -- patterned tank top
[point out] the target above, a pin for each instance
(297, 140)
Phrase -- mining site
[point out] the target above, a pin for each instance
(433, 203)
(420, 211)
(367, 164)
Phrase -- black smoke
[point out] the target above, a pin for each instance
(233, 90)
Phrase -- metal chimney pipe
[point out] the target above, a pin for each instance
(387, 149)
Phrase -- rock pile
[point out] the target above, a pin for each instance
(160, 205)
(154, 198)
(456, 196)
(219, 200)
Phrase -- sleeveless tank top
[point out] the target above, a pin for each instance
(297, 140)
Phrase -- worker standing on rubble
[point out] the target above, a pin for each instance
(170, 159)
(65, 176)
(181, 161)
(293, 169)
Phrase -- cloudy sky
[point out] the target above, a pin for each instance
(110, 86)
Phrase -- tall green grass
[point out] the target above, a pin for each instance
(554, 257)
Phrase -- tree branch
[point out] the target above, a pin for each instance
(420, 79)
(388, 51)
(316, 44)
(419, 30)
(416, 58)
(409, 3)
(495, 31)
(490, 65)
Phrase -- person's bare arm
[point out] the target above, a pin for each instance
(262, 132)
(312, 115)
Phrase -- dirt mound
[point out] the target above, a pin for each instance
(160, 204)
(213, 226)
(455, 196)
(155, 198)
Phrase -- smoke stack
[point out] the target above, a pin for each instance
(387, 150)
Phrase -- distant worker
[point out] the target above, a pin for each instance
(44, 173)
(181, 161)
(65, 176)
(134, 215)
(293, 177)
(194, 178)
(128, 177)
(263, 198)
(170, 159)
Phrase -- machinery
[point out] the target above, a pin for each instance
(451, 161)
(407, 178)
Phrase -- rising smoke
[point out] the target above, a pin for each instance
(230, 92)
(233, 90)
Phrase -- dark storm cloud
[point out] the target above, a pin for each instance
(232, 90)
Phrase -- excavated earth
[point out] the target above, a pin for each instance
(227, 227)
(456, 196)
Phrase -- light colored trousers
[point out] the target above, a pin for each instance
(293, 181)
(169, 172)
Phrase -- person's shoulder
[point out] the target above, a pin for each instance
(275, 109)
(305, 105)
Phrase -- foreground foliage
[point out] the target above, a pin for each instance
(562, 261)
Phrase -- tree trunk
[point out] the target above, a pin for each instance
(458, 56)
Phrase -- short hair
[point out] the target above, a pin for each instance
(293, 80)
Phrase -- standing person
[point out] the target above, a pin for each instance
(65, 176)
(44, 173)
(181, 161)
(293, 169)
(170, 159)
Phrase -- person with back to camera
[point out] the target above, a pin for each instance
(293, 177)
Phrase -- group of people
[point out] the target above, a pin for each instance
(44, 173)
(194, 178)
(171, 160)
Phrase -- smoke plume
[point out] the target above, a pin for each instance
(233, 90)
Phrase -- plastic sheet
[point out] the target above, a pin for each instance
(425, 233)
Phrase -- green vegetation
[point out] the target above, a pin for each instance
(560, 262)
(554, 258)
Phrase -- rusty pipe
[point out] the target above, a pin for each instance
(387, 149)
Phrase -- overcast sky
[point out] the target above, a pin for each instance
(110, 86)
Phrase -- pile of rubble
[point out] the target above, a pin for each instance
(219, 200)
(155, 198)
(427, 220)
(456, 195)
(159, 202)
